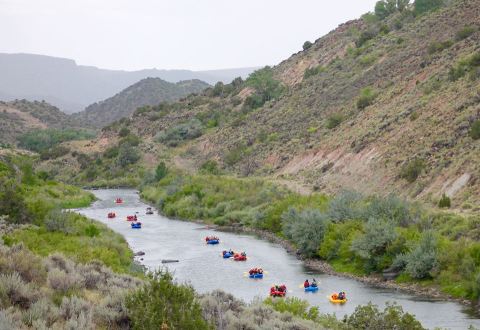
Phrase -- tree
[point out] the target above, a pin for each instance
(392, 317)
(306, 229)
(127, 155)
(378, 235)
(161, 171)
(307, 44)
(423, 259)
(445, 201)
(162, 304)
(475, 130)
(385, 8)
(423, 6)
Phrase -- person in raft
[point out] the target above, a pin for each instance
(306, 284)
(341, 296)
(314, 283)
(243, 254)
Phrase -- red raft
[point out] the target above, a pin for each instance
(119, 201)
(131, 218)
(278, 291)
(240, 256)
(111, 215)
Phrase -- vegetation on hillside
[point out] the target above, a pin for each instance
(47, 142)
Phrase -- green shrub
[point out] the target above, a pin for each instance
(111, 152)
(464, 33)
(127, 155)
(334, 119)
(468, 65)
(181, 132)
(444, 202)
(306, 45)
(266, 87)
(423, 6)
(412, 170)
(366, 98)
(161, 171)
(392, 317)
(475, 130)
(163, 304)
(306, 229)
(130, 140)
(422, 260)
(294, 306)
(235, 155)
(92, 231)
(378, 235)
(438, 46)
(123, 132)
(385, 8)
(12, 202)
(54, 152)
(309, 72)
(210, 167)
(365, 36)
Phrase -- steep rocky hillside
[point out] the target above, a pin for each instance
(149, 91)
(378, 106)
(18, 117)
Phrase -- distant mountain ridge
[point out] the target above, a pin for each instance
(73, 87)
(148, 91)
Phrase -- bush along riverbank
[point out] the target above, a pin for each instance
(363, 236)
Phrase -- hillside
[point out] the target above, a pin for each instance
(18, 117)
(375, 106)
(72, 87)
(146, 92)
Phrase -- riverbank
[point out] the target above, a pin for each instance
(325, 268)
(174, 207)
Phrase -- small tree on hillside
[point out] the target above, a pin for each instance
(307, 45)
(161, 171)
(423, 6)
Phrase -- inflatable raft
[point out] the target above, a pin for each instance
(119, 201)
(213, 241)
(136, 225)
(131, 218)
(311, 289)
(257, 275)
(227, 254)
(239, 257)
(111, 215)
(335, 300)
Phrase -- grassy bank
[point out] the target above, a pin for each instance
(33, 206)
(356, 234)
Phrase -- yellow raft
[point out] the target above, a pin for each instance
(337, 301)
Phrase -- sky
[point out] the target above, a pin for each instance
(173, 34)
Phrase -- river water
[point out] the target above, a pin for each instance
(203, 267)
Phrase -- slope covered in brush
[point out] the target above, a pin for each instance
(148, 91)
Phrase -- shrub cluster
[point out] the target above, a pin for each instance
(366, 98)
(179, 133)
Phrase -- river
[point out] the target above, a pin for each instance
(203, 267)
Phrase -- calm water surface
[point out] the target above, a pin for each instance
(203, 267)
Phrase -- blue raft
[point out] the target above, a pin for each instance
(227, 255)
(256, 275)
(213, 241)
(136, 225)
(311, 289)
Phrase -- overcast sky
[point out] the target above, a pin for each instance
(170, 34)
